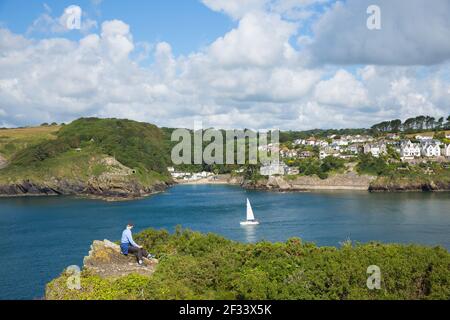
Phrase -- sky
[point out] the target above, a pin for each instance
(260, 64)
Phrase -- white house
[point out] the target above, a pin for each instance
(286, 153)
(292, 171)
(311, 142)
(376, 149)
(353, 149)
(358, 139)
(341, 142)
(431, 149)
(328, 152)
(409, 150)
(271, 147)
(447, 150)
(300, 142)
(424, 138)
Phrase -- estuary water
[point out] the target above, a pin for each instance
(42, 236)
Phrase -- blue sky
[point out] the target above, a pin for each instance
(261, 64)
(186, 24)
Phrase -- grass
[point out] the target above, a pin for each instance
(75, 152)
(15, 140)
(426, 134)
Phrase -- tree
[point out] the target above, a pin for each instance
(396, 125)
(409, 124)
(440, 123)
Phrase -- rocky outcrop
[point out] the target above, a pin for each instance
(115, 183)
(404, 185)
(347, 181)
(106, 261)
(108, 189)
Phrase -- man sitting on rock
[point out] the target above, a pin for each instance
(128, 245)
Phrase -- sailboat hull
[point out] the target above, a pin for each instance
(249, 223)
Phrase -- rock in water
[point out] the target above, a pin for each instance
(106, 260)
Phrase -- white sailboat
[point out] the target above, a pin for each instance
(250, 216)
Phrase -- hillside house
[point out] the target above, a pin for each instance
(446, 152)
(424, 138)
(292, 171)
(431, 149)
(327, 153)
(376, 149)
(286, 153)
(409, 150)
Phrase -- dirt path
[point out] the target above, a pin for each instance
(3, 162)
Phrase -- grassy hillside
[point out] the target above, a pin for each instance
(15, 140)
(198, 266)
(77, 151)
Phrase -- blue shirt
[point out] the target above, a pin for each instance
(127, 240)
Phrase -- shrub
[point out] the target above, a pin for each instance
(198, 266)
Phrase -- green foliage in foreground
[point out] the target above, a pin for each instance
(198, 266)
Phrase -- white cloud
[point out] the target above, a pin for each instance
(342, 90)
(235, 8)
(260, 40)
(117, 39)
(252, 76)
(47, 24)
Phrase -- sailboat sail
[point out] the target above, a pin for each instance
(250, 215)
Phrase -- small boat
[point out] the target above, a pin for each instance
(250, 216)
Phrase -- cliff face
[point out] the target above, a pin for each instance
(398, 185)
(347, 181)
(104, 262)
(109, 190)
(115, 182)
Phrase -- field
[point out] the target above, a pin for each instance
(15, 140)
(425, 134)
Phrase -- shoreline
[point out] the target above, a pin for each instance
(272, 184)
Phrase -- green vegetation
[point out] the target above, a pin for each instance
(417, 124)
(289, 136)
(14, 140)
(321, 168)
(198, 266)
(371, 165)
(402, 175)
(76, 150)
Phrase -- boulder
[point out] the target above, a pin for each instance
(106, 260)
